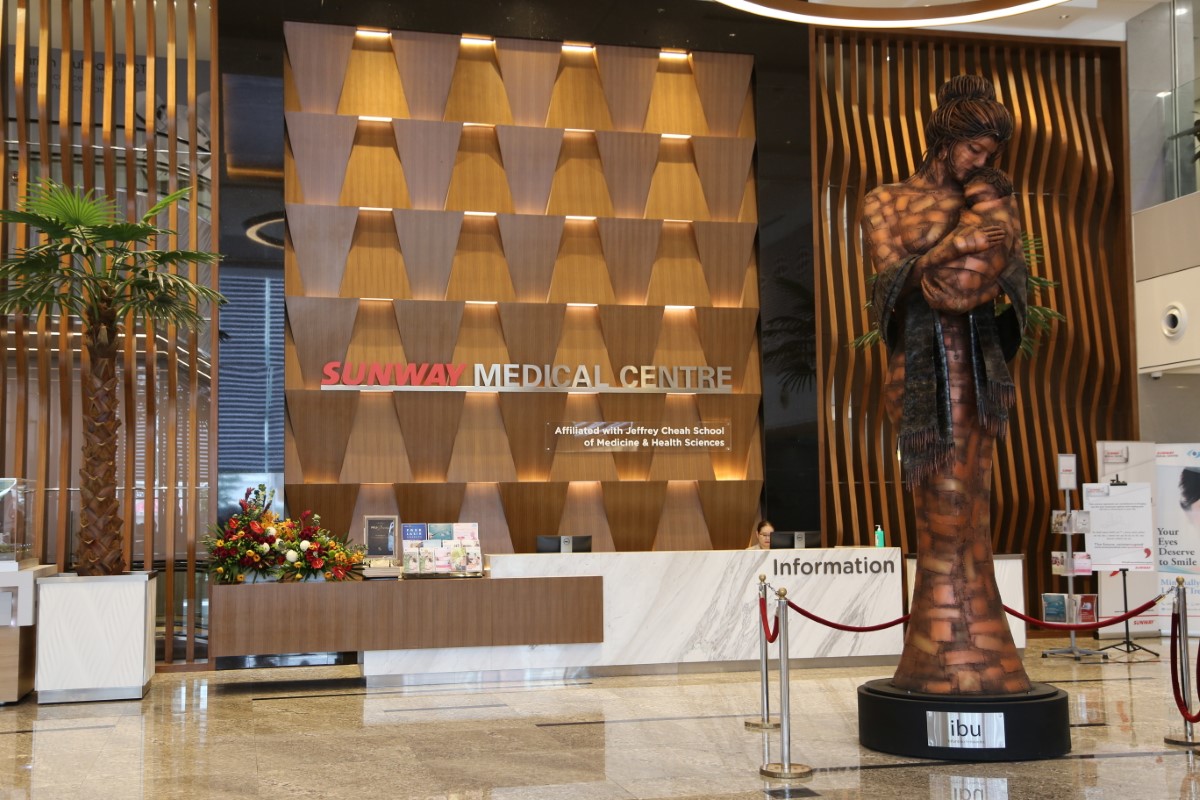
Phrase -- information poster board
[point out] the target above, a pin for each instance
(1177, 521)
(1122, 526)
(1132, 462)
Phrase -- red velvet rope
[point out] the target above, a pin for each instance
(851, 628)
(771, 634)
(1086, 626)
(1180, 703)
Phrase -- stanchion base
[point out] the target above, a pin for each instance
(785, 772)
(1024, 727)
(772, 724)
(1181, 740)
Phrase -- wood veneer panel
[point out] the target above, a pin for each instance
(555, 611)
(428, 330)
(682, 526)
(679, 463)
(477, 91)
(675, 190)
(428, 240)
(375, 266)
(628, 160)
(479, 271)
(678, 277)
(679, 343)
(372, 87)
(320, 237)
(633, 511)
(531, 331)
(675, 102)
(430, 502)
(723, 166)
(582, 466)
(640, 409)
(580, 272)
(321, 145)
(532, 510)
(481, 504)
(630, 247)
(318, 55)
(530, 156)
(529, 68)
(529, 421)
(583, 342)
(725, 250)
(579, 187)
(320, 329)
(583, 515)
(480, 337)
(374, 499)
(730, 511)
(627, 74)
(426, 64)
(481, 451)
(375, 340)
(373, 176)
(375, 452)
(722, 81)
(742, 410)
(631, 333)
(428, 151)
(531, 243)
(578, 98)
(321, 424)
(726, 336)
(479, 182)
(429, 421)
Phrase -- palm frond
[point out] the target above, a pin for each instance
(70, 206)
(47, 225)
(164, 203)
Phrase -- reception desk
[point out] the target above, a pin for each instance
(686, 608)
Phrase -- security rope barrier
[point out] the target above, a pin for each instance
(1087, 626)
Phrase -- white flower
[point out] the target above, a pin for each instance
(305, 544)
(292, 555)
(264, 547)
(270, 531)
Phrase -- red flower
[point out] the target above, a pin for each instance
(316, 563)
(254, 526)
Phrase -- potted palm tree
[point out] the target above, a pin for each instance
(92, 263)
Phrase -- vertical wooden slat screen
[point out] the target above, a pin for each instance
(871, 96)
(102, 137)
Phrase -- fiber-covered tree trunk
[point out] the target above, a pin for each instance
(99, 550)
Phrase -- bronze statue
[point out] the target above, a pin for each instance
(946, 245)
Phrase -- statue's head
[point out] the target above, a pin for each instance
(967, 110)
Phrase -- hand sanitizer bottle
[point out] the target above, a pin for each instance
(880, 537)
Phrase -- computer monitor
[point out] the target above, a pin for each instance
(564, 544)
(789, 540)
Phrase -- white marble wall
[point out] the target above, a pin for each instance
(691, 607)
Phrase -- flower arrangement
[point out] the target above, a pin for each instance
(258, 544)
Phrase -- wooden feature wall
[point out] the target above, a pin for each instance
(98, 141)
(509, 201)
(871, 96)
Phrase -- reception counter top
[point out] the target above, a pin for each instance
(687, 608)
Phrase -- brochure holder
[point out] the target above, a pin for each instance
(1072, 525)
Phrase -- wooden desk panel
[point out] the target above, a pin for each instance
(272, 618)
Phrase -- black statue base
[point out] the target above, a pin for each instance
(1024, 727)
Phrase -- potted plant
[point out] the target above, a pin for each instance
(92, 263)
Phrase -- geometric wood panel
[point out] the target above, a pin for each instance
(526, 417)
(584, 515)
(333, 502)
(726, 335)
(742, 411)
(723, 80)
(630, 246)
(429, 330)
(321, 448)
(321, 146)
(530, 156)
(676, 191)
(481, 504)
(375, 451)
(429, 502)
(427, 154)
(529, 68)
(481, 443)
(677, 463)
(429, 421)
(723, 165)
(631, 333)
(634, 511)
(531, 244)
(532, 331)
(628, 160)
(321, 328)
(682, 524)
(532, 510)
(426, 63)
(627, 74)
(678, 275)
(321, 237)
(642, 409)
(730, 510)
(318, 54)
(582, 466)
(428, 240)
(725, 249)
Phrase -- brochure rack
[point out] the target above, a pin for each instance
(1072, 526)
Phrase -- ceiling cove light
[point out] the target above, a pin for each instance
(891, 16)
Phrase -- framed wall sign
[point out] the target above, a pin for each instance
(380, 535)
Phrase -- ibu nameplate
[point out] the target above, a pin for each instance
(965, 729)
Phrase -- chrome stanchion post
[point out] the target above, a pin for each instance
(785, 768)
(765, 723)
(1185, 664)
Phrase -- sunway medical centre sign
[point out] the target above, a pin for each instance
(399, 376)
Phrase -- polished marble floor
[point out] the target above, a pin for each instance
(318, 732)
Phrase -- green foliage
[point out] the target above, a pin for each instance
(92, 263)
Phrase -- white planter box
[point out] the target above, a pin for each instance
(95, 637)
